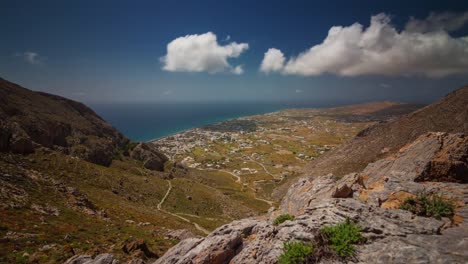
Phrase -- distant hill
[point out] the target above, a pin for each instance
(449, 114)
(29, 120)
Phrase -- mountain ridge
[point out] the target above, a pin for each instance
(387, 137)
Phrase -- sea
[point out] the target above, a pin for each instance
(149, 121)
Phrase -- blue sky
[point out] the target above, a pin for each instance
(110, 51)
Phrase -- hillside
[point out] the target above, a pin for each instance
(29, 120)
(449, 114)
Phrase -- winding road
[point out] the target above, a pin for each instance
(197, 226)
(265, 169)
(239, 180)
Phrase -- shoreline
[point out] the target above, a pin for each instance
(154, 122)
(197, 127)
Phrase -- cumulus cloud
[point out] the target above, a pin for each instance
(202, 53)
(272, 61)
(238, 70)
(437, 21)
(30, 57)
(381, 49)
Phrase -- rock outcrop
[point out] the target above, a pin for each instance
(150, 156)
(105, 258)
(137, 248)
(87, 259)
(370, 198)
(29, 120)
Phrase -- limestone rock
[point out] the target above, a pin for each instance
(450, 163)
(136, 261)
(177, 254)
(87, 259)
(137, 248)
(310, 189)
(404, 172)
(180, 234)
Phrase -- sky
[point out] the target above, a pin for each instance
(304, 51)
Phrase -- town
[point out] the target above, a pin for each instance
(260, 150)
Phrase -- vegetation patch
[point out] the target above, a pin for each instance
(429, 205)
(342, 237)
(295, 252)
(332, 243)
(284, 217)
(234, 125)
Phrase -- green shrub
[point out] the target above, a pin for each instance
(429, 205)
(21, 259)
(341, 237)
(280, 219)
(295, 252)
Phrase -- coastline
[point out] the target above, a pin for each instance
(213, 123)
(149, 122)
(175, 133)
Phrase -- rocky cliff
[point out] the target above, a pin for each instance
(29, 120)
(434, 163)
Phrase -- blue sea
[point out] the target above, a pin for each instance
(148, 121)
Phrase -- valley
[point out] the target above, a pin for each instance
(56, 205)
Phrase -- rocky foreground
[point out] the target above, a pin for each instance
(434, 163)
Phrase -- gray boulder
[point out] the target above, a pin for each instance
(99, 259)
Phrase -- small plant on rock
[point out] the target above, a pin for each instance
(280, 219)
(342, 237)
(295, 252)
(429, 205)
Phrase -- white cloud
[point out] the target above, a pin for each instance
(272, 61)
(379, 49)
(238, 70)
(437, 21)
(202, 53)
(299, 91)
(30, 57)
